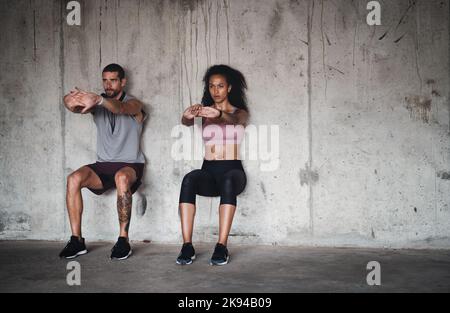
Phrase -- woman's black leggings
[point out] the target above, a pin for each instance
(224, 178)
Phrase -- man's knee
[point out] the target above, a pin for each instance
(75, 180)
(123, 181)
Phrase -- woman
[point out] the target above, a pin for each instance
(224, 115)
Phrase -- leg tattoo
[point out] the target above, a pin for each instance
(124, 208)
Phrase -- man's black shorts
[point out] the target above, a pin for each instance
(107, 171)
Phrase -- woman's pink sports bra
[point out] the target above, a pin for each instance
(221, 134)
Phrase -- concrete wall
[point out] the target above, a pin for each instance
(363, 115)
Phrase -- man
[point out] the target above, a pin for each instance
(120, 162)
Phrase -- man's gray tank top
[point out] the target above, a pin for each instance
(118, 135)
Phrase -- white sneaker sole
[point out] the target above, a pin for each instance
(192, 259)
(74, 256)
(123, 258)
(222, 263)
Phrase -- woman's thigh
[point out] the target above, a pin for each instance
(204, 183)
(237, 178)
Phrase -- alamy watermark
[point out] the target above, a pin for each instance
(373, 278)
(258, 143)
(73, 277)
(74, 15)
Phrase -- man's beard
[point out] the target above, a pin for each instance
(113, 95)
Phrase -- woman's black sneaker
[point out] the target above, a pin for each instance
(220, 255)
(121, 249)
(187, 254)
(74, 248)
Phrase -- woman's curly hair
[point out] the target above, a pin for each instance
(234, 78)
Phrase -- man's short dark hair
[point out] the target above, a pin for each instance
(115, 68)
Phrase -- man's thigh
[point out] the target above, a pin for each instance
(89, 178)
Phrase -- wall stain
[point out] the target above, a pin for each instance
(419, 107)
(16, 221)
(344, 24)
(443, 175)
(34, 35)
(337, 70)
(307, 176)
(293, 4)
(400, 38)
(188, 5)
(263, 189)
(226, 6)
(411, 4)
(275, 20)
(176, 172)
(328, 39)
(237, 234)
(100, 38)
(435, 93)
(431, 83)
(141, 205)
(159, 7)
(325, 74)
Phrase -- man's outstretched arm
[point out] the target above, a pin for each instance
(72, 104)
(131, 107)
(90, 99)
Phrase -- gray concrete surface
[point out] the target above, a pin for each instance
(363, 113)
(33, 266)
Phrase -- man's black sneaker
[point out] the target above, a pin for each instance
(220, 255)
(74, 248)
(121, 249)
(187, 254)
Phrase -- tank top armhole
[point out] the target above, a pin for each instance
(144, 117)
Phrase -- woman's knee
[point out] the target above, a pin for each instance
(188, 188)
(190, 179)
(228, 196)
(232, 184)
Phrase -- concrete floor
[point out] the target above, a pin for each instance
(34, 266)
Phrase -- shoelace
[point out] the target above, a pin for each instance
(67, 245)
(70, 243)
(115, 246)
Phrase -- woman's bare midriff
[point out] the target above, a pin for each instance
(222, 152)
